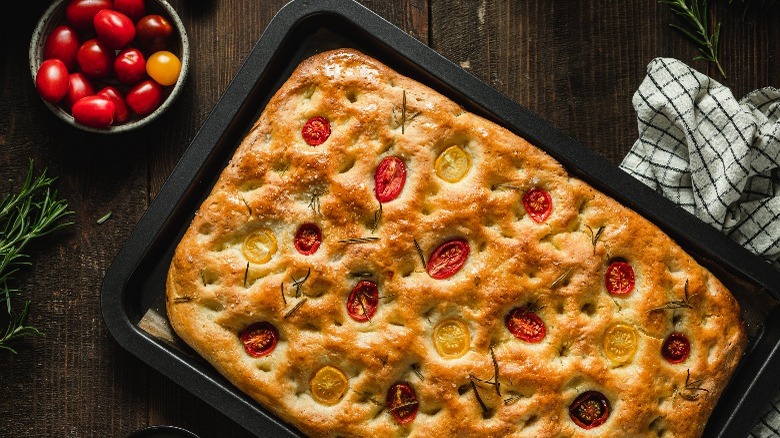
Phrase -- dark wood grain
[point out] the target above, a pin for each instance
(576, 64)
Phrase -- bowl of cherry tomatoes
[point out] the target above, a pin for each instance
(109, 66)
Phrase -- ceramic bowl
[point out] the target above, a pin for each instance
(55, 16)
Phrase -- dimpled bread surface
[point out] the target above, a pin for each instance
(554, 268)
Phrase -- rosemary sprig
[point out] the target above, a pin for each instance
(358, 240)
(594, 236)
(416, 369)
(103, 218)
(692, 388)
(246, 273)
(485, 409)
(684, 303)
(314, 200)
(297, 306)
(561, 278)
(694, 14)
(403, 114)
(298, 283)
(33, 212)
(497, 384)
(377, 218)
(248, 208)
(420, 253)
(281, 289)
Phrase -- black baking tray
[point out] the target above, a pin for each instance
(135, 282)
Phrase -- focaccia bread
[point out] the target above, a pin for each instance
(377, 261)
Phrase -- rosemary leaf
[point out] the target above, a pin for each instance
(32, 212)
(103, 218)
(694, 15)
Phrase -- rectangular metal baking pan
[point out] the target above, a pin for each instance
(134, 285)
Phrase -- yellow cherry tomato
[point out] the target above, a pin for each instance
(453, 164)
(259, 246)
(164, 67)
(451, 338)
(620, 342)
(328, 385)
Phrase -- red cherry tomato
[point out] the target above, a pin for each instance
(78, 87)
(114, 29)
(94, 111)
(676, 348)
(134, 9)
(80, 13)
(619, 278)
(153, 33)
(448, 258)
(63, 44)
(389, 179)
(259, 339)
(363, 300)
(538, 204)
(95, 59)
(308, 238)
(590, 409)
(121, 111)
(52, 80)
(402, 402)
(525, 325)
(145, 97)
(316, 130)
(130, 66)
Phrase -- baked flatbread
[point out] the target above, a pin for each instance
(377, 261)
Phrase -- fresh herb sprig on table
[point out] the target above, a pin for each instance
(32, 212)
(694, 14)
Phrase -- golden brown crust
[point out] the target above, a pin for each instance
(276, 180)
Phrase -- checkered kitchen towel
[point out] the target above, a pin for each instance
(716, 157)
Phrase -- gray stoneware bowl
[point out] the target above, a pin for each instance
(55, 15)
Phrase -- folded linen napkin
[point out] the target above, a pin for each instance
(717, 158)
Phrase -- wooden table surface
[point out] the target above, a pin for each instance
(575, 63)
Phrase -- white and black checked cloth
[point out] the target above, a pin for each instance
(716, 157)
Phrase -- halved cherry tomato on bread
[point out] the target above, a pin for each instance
(590, 409)
(676, 348)
(453, 164)
(259, 246)
(619, 278)
(308, 238)
(328, 385)
(259, 339)
(389, 179)
(620, 342)
(62, 43)
(363, 300)
(402, 402)
(52, 80)
(448, 258)
(538, 204)
(94, 111)
(316, 130)
(114, 29)
(451, 338)
(525, 325)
